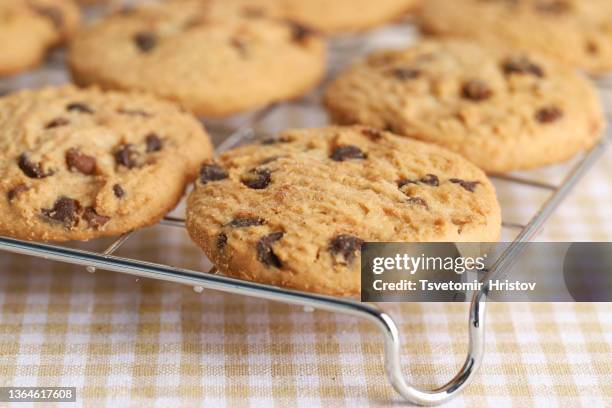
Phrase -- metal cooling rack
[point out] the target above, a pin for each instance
(242, 130)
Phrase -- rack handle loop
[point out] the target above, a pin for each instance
(463, 378)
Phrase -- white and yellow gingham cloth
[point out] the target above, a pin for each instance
(123, 341)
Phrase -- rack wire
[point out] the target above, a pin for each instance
(244, 131)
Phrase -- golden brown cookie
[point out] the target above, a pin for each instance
(329, 16)
(82, 164)
(214, 62)
(502, 109)
(28, 28)
(575, 32)
(294, 210)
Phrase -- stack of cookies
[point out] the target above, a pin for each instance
(415, 132)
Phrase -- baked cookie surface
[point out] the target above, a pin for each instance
(575, 32)
(212, 60)
(82, 164)
(501, 109)
(28, 28)
(294, 210)
(331, 16)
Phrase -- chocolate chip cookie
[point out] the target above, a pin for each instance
(500, 108)
(81, 164)
(212, 60)
(28, 28)
(575, 32)
(293, 210)
(329, 16)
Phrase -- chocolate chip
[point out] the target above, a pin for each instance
(467, 185)
(299, 32)
(347, 152)
(346, 246)
(32, 170)
(94, 219)
(52, 13)
(405, 74)
(275, 140)
(429, 179)
(15, 191)
(77, 161)
(57, 122)
(417, 201)
(592, 47)
(372, 134)
(212, 172)
(119, 191)
(257, 179)
(221, 241)
(548, 114)
(126, 156)
(390, 128)
(265, 254)
(153, 142)
(65, 210)
(79, 107)
(522, 65)
(476, 90)
(195, 21)
(126, 10)
(239, 46)
(134, 112)
(553, 6)
(405, 182)
(244, 222)
(145, 41)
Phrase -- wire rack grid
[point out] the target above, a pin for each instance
(244, 129)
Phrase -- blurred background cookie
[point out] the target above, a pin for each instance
(575, 32)
(213, 61)
(331, 16)
(28, 28)
(502, 109)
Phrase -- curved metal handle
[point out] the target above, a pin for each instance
(456, 384)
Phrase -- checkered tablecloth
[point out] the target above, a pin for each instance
(128, 342)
